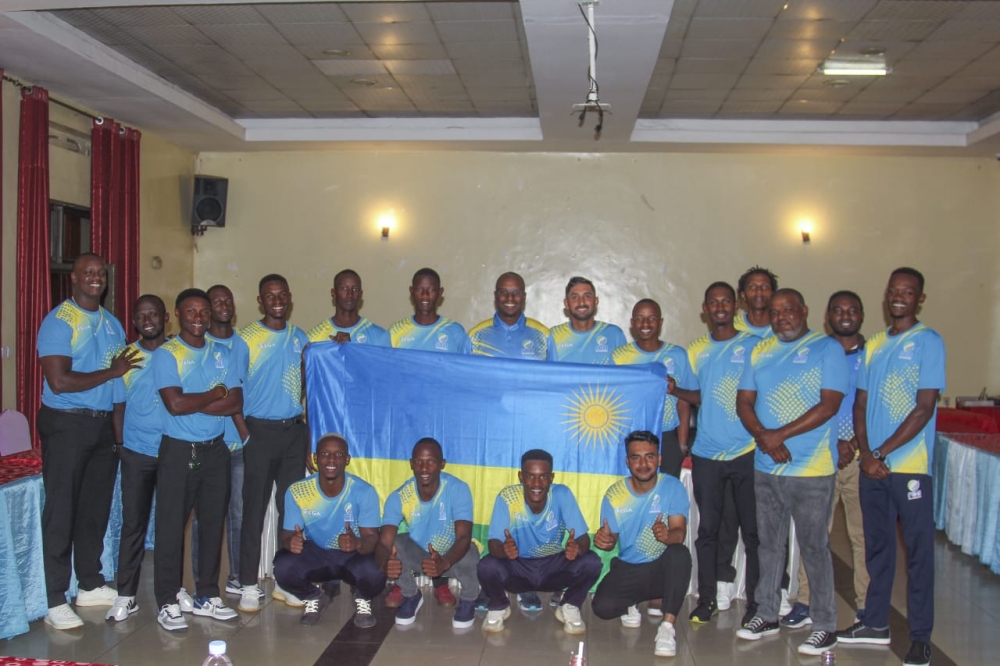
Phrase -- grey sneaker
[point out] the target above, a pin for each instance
(363, 618)
(313, 609)
(569, 615)
(122, 608)
(859, 634)
(170, 618)
(213, 608)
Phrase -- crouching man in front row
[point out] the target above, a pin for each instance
(648, 512)
(330, 533)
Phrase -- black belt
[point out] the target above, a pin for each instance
(295, 420)
(82, 411)
(203, 443)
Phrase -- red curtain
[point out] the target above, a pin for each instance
(32, 247)
(114, 211)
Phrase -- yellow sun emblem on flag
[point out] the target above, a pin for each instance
(596, 416)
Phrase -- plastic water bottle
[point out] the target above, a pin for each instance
(217, 655)
(577, 658)
(828, 658)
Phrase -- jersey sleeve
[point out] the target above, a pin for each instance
(570, 512)
(118, 390)
(500, 520)
(747, 382)
(932, 364)
(165, 373)
(382, 337)
(293, 513)
(368, 509)
(550, 348)
(462, 502)
(679, 503)
(692, 362)
(233, 378)
(465, 343)
(393, 514)
(54, 338)
(683, 375)
(608, 514)
(863, 373)
(836, 371)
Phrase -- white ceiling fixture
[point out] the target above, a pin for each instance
(593, 103)
(860, 65)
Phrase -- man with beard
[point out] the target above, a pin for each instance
(426, 330)
(894, 419)
(647, 320)
(509, 333)
(330, 531)
(275, 455)
(347, 324)
(844, 315)
(583, 339)
(437, 510)
(142, 432)
(648, 513)
(722, 453)
(80, 424)
(756, 287)
(787, 397)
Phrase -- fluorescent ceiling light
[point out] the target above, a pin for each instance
(870, 66)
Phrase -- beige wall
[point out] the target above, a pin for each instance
(659, 225)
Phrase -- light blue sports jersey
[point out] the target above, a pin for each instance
(894, 369)
(844, 420)
(526, 339)
(788, 378)
(175, 363)
(593, 347)
(323, 519)
(740, 323)
(537, 534)
(240, 359)
(717, 367)
(675, 359)
(444, 335)
(143, 427)
(430, 522)
(273, 389)
(631, 516)
(363, 333)
(91, 340)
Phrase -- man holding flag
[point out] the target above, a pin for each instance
(529, 523)
(437, 509)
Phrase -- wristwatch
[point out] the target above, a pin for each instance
(877, 454)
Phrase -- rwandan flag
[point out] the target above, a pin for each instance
(485, 412)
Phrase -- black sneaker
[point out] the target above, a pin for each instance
(704, 611)
(313, 609)
(860, 634)
(818, 643)
(757, 628)
(363, 618)
(919, 654)
(749, 614)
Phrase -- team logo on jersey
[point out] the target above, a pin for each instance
(527, 348)
(110, 329)
(669, 365)
(415, 514)
(348, 513)
(913, 486)
(218, 361)
(442, 342)
(442, 513)
(654, 506)
(550, 522)
(361, 338)
(802, 356)
(907, 353)
(296, 347)
(602, 344)
(739, 354)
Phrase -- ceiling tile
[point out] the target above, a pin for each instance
(153, 16)
(491, 94)
(766, 66)
(304, 12)
(329, 106)
(774, 81)
(897, 31)
(938, 96)
(739, 8)
(313, 93)
(962, 82)
(703, 81)
(894, 51)
(717, 95)
(486, 50)
(709, 66)
(345, 85)
(350, 67)
(472, 67)
(505, 108)
(928, 111)
(418, 67)
(949, 50)
(748, 108)
(911, 67)
(244, 82)
(470, 11)
(255, 35)
(319, 51)
(900, 88)
(717, 48)
(212, 14)
(973, 31)
(982, 10)
(833, 10)
(431, 83)
(806, 108)
(409, 51)
(168, 34)
(109, 33)
(795, 49)
(386, 12)
(248, 97)
(398, 33)
(759, 95)
(810, 30)
(496, 79)
(677, 26)
(928, 10)
(435, 107)
(671, 48)
(664, 67)
(873, 110)
(477, 31)
(688, 108)
(826, 94)
(331, 35)
(728, 28)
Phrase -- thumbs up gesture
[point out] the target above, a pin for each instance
(348, 541)
(603, 538)
(660, 529)
(435, 565)
(298, 541)
(510, 546)
(393, 567)
(572, 547)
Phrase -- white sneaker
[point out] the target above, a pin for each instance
(99, 596)
(250, 599)
(122, 608)
(569, 615)
(170, 618)
(63, 617)
(632, 618)
(654, 611)
(724, 593)
(233, 587)
(185, 601)
(213, 608)
(666, 641)
(289, 598)
(786, 606)
(494, 620)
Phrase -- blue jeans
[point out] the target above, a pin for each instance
(234, 520)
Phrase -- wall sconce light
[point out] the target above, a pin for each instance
(386, 222)
(805, 228)
(805, 235)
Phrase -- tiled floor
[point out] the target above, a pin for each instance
(967, 613)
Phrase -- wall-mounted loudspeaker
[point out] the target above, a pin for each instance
(208, 207)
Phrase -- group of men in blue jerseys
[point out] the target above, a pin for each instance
(789, 420)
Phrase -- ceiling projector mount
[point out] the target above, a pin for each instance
(593, 103)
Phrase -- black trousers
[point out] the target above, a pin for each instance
(625, 584)
(671, 456)
(180, 489)
(712, 480)
(79, 465)
(275, 455)
(138, 487)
